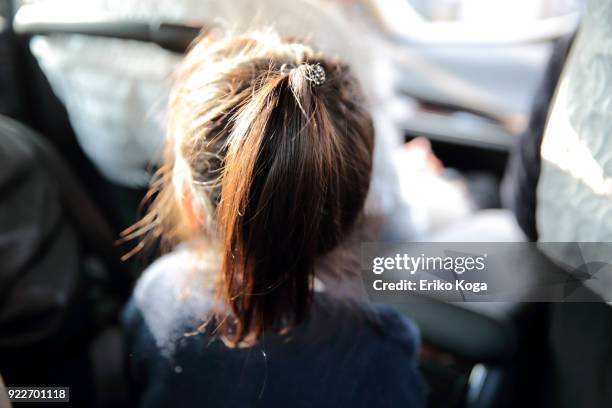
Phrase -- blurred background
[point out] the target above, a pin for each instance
(453, 86)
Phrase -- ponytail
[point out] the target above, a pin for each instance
(290, 190)
(276, 157)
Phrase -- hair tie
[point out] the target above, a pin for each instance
(314, 73)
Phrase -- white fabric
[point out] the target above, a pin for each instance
(492, 225)
(116, 94)
(575, 187)
(115, 91)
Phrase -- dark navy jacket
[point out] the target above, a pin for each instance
(344, 354)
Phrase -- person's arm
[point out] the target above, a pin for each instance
(393, 377)
(393, 380)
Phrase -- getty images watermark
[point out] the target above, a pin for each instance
(487, 271)
(414, 265)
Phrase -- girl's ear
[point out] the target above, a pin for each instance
(192, 212)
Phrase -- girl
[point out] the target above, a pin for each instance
(267, 167)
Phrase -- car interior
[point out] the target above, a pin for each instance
(475, 356)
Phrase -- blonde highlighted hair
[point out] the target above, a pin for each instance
(276, 165)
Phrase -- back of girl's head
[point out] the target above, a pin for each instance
(268, 158)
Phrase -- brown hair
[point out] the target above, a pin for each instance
(277, 165)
